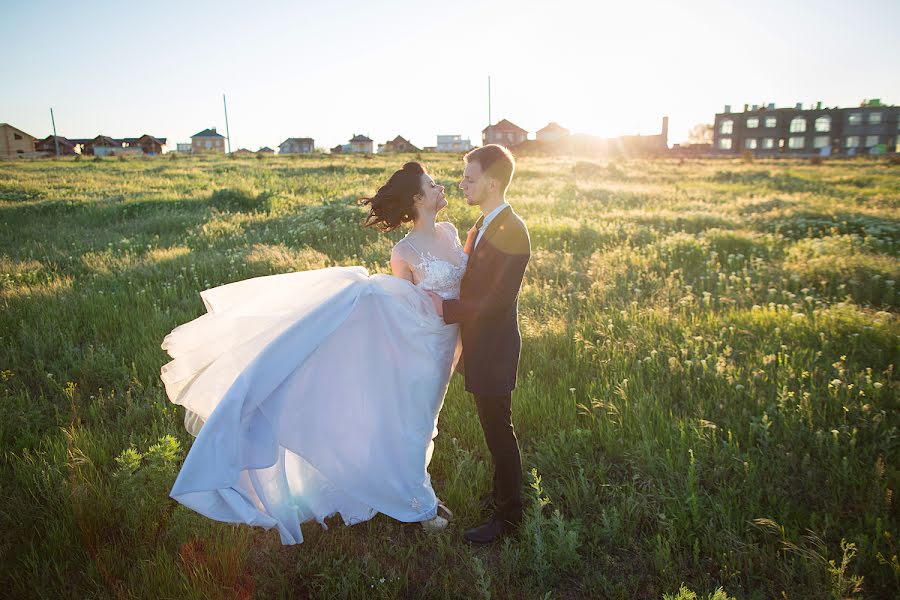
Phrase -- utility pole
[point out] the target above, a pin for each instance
(489, 101)
(55, 139)
(227, 131)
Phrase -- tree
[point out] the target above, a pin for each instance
(701, 134)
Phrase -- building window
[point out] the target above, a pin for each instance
(17, 136)
(796, 142)
(752, 122)
(750, 143)
(852, 141)
(768, 143)
(725, 143)
(823, 124)
(726, 127)
(874, 118)
(820, 141)
(871, 140)
(771, 122)
(855, 118)
(208, 144)
(798, 125)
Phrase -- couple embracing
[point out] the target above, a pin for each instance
(318, 392)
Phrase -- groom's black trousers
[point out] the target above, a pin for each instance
(496, 420)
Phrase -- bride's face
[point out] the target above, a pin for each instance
(432, 196)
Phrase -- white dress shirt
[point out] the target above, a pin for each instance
(487, 221)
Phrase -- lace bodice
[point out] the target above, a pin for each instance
(437, 274)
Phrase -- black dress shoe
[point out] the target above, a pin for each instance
(490, 531)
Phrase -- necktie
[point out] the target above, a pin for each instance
(470, 239)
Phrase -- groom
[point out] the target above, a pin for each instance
(487, 311)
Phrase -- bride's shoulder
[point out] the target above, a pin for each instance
(402, 250)
(448, 227)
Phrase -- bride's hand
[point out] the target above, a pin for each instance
(437, 301)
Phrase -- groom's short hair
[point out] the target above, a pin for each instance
(496, 161)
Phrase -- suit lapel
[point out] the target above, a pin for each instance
(491, 230)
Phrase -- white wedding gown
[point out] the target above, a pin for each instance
(314, 393)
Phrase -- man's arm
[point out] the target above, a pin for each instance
(500, 295)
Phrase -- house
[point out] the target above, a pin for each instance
(148, 144)
(360, 144)
(398, 144)
(243, 152)
(102, 145)
(15, 143)
(265, 150)
(871, 128)
(184, 148)
(452, 143)
(47, 146)
(208, 141)
(297, 146)
(505, 133)
(589, 145)
(341, 149)
(552, 132)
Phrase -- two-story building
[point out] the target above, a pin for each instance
(297, 146)
(360, 144)
(207, 141)
(871, 128)
(453, 143)
(15, 143)
(504, 133)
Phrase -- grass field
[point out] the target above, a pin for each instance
(708, 397)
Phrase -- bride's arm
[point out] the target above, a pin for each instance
(400, 266)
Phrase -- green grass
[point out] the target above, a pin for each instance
(707, 404)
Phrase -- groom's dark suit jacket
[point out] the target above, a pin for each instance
(487, 308)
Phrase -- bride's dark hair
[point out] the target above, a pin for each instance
(393, 204)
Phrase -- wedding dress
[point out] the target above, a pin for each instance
(315, 393)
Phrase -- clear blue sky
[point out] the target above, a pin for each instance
(329, 69)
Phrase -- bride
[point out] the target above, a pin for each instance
(318, 392)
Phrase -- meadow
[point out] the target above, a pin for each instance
(707, 404)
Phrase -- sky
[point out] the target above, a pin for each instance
(332, 69)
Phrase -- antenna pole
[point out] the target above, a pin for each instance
(55, 139)
(227, 130)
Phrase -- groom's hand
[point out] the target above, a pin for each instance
(437, 301)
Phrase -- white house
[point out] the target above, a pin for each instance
(360, 144)
(453, 143)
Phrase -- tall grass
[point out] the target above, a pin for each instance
(707, 405)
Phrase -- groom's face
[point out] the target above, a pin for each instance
(474, 184)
